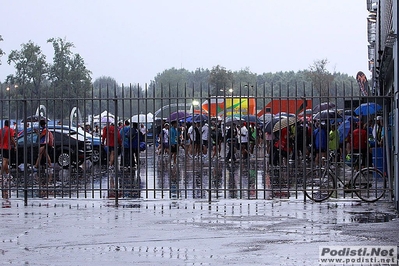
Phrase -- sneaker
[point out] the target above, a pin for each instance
(111, 167)
(34, 169)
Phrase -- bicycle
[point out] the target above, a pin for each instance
(368, 183)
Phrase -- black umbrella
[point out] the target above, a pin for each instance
(233, 120)
(327, 114)
(323, 106)
(270, 124)
(251, 119)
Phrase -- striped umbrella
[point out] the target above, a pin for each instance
(283, 123)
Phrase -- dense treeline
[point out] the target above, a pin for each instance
(66, 82)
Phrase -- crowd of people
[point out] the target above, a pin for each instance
(199, 140)
(308, 140)
(124, 139)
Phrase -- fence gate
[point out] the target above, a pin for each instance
(254, 144)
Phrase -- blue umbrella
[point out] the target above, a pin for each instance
(367, 109)
(189, 119)
(344, 129)
(200, 118)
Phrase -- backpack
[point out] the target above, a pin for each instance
(50, 139)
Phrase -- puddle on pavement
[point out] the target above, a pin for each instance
(371, 217)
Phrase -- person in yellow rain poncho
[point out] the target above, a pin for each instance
(333, 143)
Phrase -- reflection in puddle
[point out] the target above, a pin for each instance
(371, 217)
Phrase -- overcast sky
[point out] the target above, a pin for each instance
(132, 41)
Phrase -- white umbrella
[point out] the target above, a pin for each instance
(109, 119)
(142, 118)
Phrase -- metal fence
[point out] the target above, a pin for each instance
(225, 163)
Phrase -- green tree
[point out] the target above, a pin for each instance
(220, 80)
(1, 51)
(170, 87)
(245, 82)
(68, 74)
(320, 77)
(31, 70)
(104, 89)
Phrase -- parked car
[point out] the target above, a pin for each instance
(98, 151)
(70, 148)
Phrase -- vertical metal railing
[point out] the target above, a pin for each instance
(260, 177)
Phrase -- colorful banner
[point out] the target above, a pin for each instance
(230, 106)
(363, 83)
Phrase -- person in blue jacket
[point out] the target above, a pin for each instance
(320, 140)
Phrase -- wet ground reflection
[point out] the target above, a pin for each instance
(157, 178)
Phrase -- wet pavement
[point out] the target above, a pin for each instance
(252, 219)
(187, 232)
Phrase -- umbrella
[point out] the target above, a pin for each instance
(281, 115)
(270, 124)
(367, 109)
(283, 123)
(199, 118)
(177, 116)
(233, 120)
(323, 106)
(251, 119)
(142, 118)
(327, 114)
(343, 130)
(108, 119)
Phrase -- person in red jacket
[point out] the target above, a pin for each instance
(108, 140)
(358, 141)
(7, 141)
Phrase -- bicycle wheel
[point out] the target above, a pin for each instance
(370, 184)
(319, 184)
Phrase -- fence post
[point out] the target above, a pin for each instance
(25, 129)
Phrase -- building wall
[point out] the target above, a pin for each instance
(384, 67)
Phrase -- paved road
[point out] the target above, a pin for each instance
(187, 232)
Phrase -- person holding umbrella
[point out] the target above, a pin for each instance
(231, 140)
(243, 134)
(320, 141)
